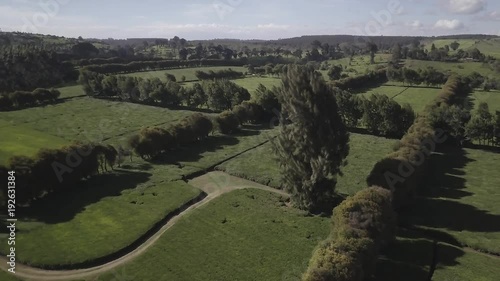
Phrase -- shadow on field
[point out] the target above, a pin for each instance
(62, 206)
(446, 182)
(193, 153)
(412, 257)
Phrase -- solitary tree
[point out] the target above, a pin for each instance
(313, 144)
(373, 49)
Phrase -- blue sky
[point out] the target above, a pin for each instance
(247, 19)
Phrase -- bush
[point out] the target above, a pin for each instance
(361, 225)
(227, 122)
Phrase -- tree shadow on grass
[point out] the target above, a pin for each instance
(408, 258)
(412, 257)
(193, 152)
(62, 206)
(445, 174)
(446, 182)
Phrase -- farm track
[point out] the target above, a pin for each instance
(214, 184)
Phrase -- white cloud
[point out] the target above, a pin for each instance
(416, 24)
(466, 6)
(449, 24)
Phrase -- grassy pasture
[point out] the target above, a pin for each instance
(417, 97)
(488, 47)
(462, 68)
(88, 119)
(251, 83)
(462, 198)
(242, 235)
(261, 166)
(359, 64)
(71, 91)
(98, 218)
(492, 98)
(458, 264)
(188, 72)
(24, 140)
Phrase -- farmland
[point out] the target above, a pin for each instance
(417, 97)
(162, 196)
(234, 237)
(260, 165)
(189, 73)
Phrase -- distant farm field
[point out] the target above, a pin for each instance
(260, 165)
(492, 98)
(242, 235)
(92, 120)
(417, 97)
(489, 47)
(462, 68)
(24, 140)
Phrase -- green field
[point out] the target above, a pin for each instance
(358, 65)
(24, 140)
(462, 202)
(488, 47)
(417, 97)
(462, 68)
(242, 235)
(4, 276)
(189, 73)
(71, 91)
(88, 119)
(492, 98)
(251, 83)
(457, 264)
(97, 219)
(261, 166)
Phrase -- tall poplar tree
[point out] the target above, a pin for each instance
(313, 142)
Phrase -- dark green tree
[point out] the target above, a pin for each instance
(313, 145)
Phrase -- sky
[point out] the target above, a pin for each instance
(249, 19)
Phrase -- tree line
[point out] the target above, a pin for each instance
(137, 66)
(214, 94)
(428, 76)
(152, 141)
(27, 68)
(415, 148)
(24, 99)
(360, 227)
(366, 222)
(379, 114)
(221, 74)
(55, 170)
(372, 78)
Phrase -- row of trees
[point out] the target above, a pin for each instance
(483, 127)
(419, 52)
(380, 115)
(153, 141)
(221, 74)
(53, 170)
(27, 68)
(428, 76)
(361, 226)
(23, 99)
(403, 170)
(150, 142)
(137, 66)
(369, 79)
(216, 94)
